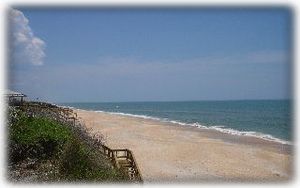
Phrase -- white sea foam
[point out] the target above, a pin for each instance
(219, 128)
(130, 115)
(73, 108)
(249, 133)
(230, 131)
(62, 106)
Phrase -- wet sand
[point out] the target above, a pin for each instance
(168, 152)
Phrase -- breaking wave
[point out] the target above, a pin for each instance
(219, 128)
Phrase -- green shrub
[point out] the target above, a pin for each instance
(41, 139)
(36, 138)
(79, 162)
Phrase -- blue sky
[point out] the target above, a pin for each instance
(89, 55)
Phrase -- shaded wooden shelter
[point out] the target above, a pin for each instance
(14, 98)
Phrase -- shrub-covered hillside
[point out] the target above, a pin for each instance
(42, 150)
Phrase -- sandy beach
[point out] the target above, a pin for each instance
(168, 152)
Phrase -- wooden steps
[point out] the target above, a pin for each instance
(124, 160)
(124, 163)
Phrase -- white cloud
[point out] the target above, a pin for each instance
(25, 46)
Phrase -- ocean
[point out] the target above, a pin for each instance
(267, 119)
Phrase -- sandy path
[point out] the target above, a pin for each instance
(166, 152)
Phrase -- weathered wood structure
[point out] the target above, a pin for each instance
(123, 159)
(14, 98)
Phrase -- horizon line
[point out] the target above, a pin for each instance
(208, 100)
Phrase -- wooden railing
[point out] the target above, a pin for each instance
(68, 117)
(115, 155)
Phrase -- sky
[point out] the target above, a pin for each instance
(144, 54)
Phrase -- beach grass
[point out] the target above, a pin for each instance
(41, 149)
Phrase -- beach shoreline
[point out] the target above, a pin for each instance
(168, 152)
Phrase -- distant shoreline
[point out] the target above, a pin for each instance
(204, 128)
(215, 133)
(221, 100)
(266, 160)
(224, 130)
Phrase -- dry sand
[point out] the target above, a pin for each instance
(171, 153)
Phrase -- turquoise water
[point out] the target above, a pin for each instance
(269, 119)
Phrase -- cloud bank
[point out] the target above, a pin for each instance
(25, 46)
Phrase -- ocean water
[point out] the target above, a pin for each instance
(267, 119)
